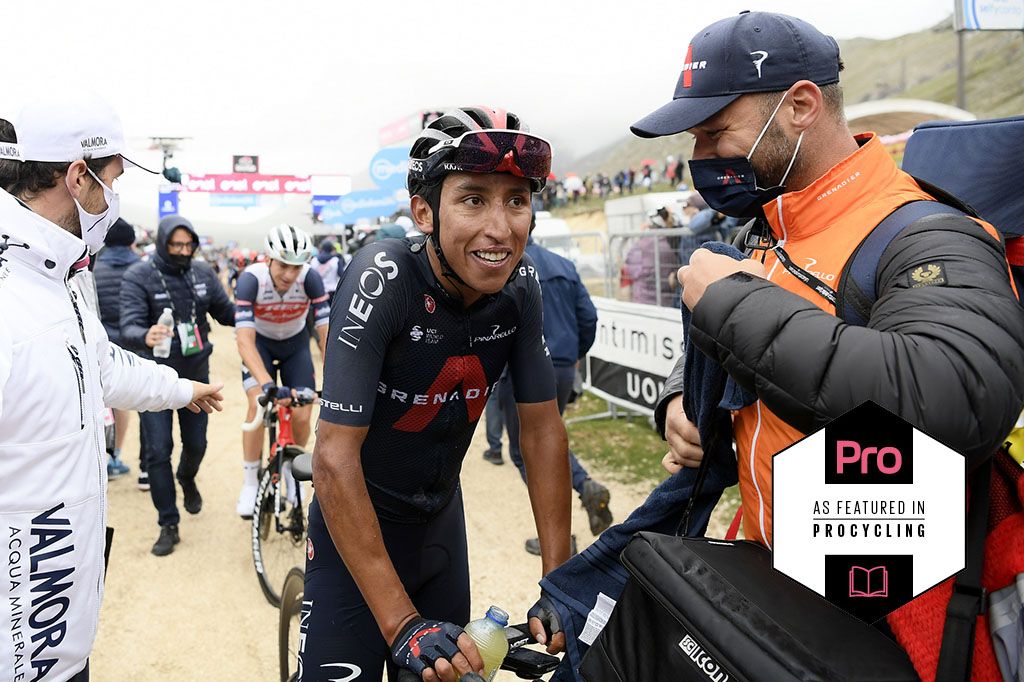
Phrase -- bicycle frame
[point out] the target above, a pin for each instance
(278, 519)
(278, 421)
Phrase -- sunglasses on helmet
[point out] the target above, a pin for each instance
(488, 151)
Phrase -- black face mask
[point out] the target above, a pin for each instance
(180, 260)
(730, 186)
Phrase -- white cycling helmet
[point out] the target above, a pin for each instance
(289, 245)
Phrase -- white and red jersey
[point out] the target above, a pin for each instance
(275, 315)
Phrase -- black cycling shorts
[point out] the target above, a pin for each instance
(289, 362)
(340, 638)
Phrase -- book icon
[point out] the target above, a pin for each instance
(869, 582)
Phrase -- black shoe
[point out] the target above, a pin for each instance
(164, 544)
(494, 456)
(533, 546)
(595, 499)
(190, 494)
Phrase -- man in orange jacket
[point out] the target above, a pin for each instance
(760, 94)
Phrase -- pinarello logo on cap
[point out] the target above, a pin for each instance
(689, 66)
(428, 303)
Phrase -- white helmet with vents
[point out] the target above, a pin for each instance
(289, 245)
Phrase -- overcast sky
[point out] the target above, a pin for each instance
(307, 84)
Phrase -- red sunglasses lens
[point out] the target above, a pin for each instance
(482, 152)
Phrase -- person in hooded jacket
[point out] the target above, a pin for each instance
(191, 289)
(330, 264)
(111, 263)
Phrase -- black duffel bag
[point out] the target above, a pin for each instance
(714, 610)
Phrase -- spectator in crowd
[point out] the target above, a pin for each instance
(650, 261)
(111, 264)
(57, 371)
(570, 326)
(406, 223)
(943, 353)
(330, 264)
(680, 169)
(494, 422)
(707, 225)
(171, 279)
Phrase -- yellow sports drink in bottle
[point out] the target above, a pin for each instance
(488, 633)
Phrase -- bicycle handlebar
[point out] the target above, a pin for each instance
(527, 664)
(304, 396)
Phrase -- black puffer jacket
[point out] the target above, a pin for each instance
(948, 359)
(111, 265)
(143, 298)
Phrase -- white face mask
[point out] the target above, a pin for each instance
(95, 227)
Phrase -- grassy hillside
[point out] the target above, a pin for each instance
(918, 66)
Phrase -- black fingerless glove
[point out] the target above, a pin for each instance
(544, 609)
(424, 642)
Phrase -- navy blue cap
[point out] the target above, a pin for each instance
(751, 52)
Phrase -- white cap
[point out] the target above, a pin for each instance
(58, 128)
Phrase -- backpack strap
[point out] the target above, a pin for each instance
(969, 597)
(857, 292)
(857, 295)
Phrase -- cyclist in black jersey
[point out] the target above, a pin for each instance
(420, 332)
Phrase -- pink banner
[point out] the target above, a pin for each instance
(247, 183)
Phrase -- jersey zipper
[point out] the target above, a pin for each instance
(76, 360)
(100, 453)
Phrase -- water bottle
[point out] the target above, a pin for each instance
(163, 349)
(488, 633)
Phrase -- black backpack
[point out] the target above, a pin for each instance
(971, 169)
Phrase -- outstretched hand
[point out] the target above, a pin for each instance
(206, 397)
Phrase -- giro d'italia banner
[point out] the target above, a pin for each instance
(869, 512)
(633, 353)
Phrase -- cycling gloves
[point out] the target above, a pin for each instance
(424, 642)
(544, 609)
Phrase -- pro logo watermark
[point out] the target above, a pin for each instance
(868, 512)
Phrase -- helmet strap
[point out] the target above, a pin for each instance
(433, 197)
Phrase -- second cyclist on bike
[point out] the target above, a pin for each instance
(272, 300)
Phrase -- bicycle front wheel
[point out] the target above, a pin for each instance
(278, 531)
(289, 624)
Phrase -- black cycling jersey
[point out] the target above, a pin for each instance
(409, 362)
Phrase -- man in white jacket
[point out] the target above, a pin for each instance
(57, 372)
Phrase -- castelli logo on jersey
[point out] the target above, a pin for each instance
(309, 548)
(428, 303)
